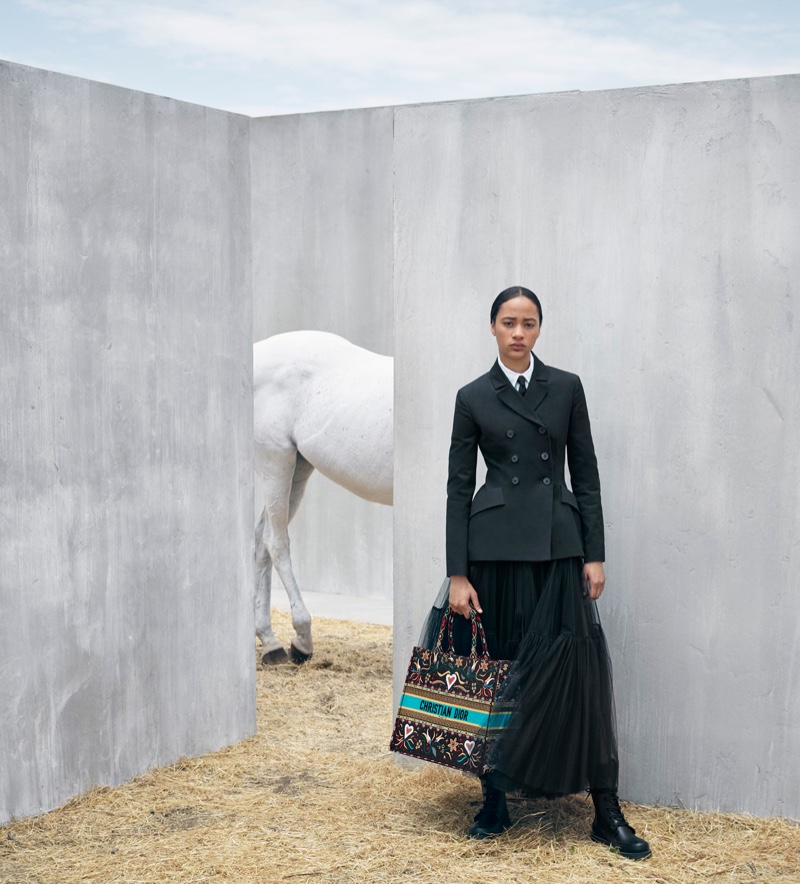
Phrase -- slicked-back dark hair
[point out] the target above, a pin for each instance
(514, 292)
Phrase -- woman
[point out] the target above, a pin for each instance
(527, 553)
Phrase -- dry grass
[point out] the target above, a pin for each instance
(315, 796)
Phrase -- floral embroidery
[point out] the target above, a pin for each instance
(438, 678)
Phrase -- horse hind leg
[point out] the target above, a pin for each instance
(284, 483)
(272, 650)
(302, 472)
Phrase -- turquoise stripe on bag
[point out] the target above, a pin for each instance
(451, 711)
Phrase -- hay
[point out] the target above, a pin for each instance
(315, 796)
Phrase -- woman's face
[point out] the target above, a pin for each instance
(516, 328)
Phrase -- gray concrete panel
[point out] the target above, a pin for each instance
(660, 227)
(126, 576)
(322, 259)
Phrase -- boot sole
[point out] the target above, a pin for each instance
(480, 834)
(626, 853)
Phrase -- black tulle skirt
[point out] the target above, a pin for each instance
(561, 735)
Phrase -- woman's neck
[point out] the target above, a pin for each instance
(520, 366)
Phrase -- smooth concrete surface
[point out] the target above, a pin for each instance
(126, 575)
(660, 227)
(337, 606)
(322, 259)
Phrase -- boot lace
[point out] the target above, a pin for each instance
(613, 811)
(491, 804)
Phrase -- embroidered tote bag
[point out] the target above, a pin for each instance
(449, 712)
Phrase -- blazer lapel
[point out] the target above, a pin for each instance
(538, 388)
(526, 405)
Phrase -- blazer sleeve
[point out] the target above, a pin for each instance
(585, 477)
(460, 485)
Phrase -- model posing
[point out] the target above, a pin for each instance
(527, 553)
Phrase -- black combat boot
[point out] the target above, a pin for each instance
(492, 818)
(610, 826)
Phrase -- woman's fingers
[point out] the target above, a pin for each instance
(473, 601)
(463, 596)
(594, 579)
(462, 608)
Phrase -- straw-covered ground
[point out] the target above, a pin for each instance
(315, 796)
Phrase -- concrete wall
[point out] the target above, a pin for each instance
(660, 227)
(126, 435)
(322, 259)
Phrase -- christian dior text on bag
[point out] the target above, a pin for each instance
(449, 711)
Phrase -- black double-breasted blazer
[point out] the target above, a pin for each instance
(525, 511)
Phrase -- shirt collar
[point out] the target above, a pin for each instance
(514, 375)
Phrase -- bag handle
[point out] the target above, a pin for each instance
(446, 626)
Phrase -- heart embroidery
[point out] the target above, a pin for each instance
(469, 745)
(408, 730)
(451, 680)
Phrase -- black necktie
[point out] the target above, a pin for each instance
(521, 385)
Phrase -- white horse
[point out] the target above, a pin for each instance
(320, 403)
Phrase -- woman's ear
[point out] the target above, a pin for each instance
(493, 331)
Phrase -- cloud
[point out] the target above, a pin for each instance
(390, 52)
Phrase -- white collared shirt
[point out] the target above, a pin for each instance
(513, 376)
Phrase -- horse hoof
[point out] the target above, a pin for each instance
(272, 658)
(298, 657)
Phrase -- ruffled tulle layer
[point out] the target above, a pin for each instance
(560, 738)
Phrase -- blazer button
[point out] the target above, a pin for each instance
(515, 481)
(514, 458)
(542, 430)
(546, 480)
(545, 456)
(510, 434)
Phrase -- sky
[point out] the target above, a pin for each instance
(265, 57)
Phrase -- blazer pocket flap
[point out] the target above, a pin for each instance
(568, 497)
(487, 497)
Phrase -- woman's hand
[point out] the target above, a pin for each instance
(594, 579)
(463, 596)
